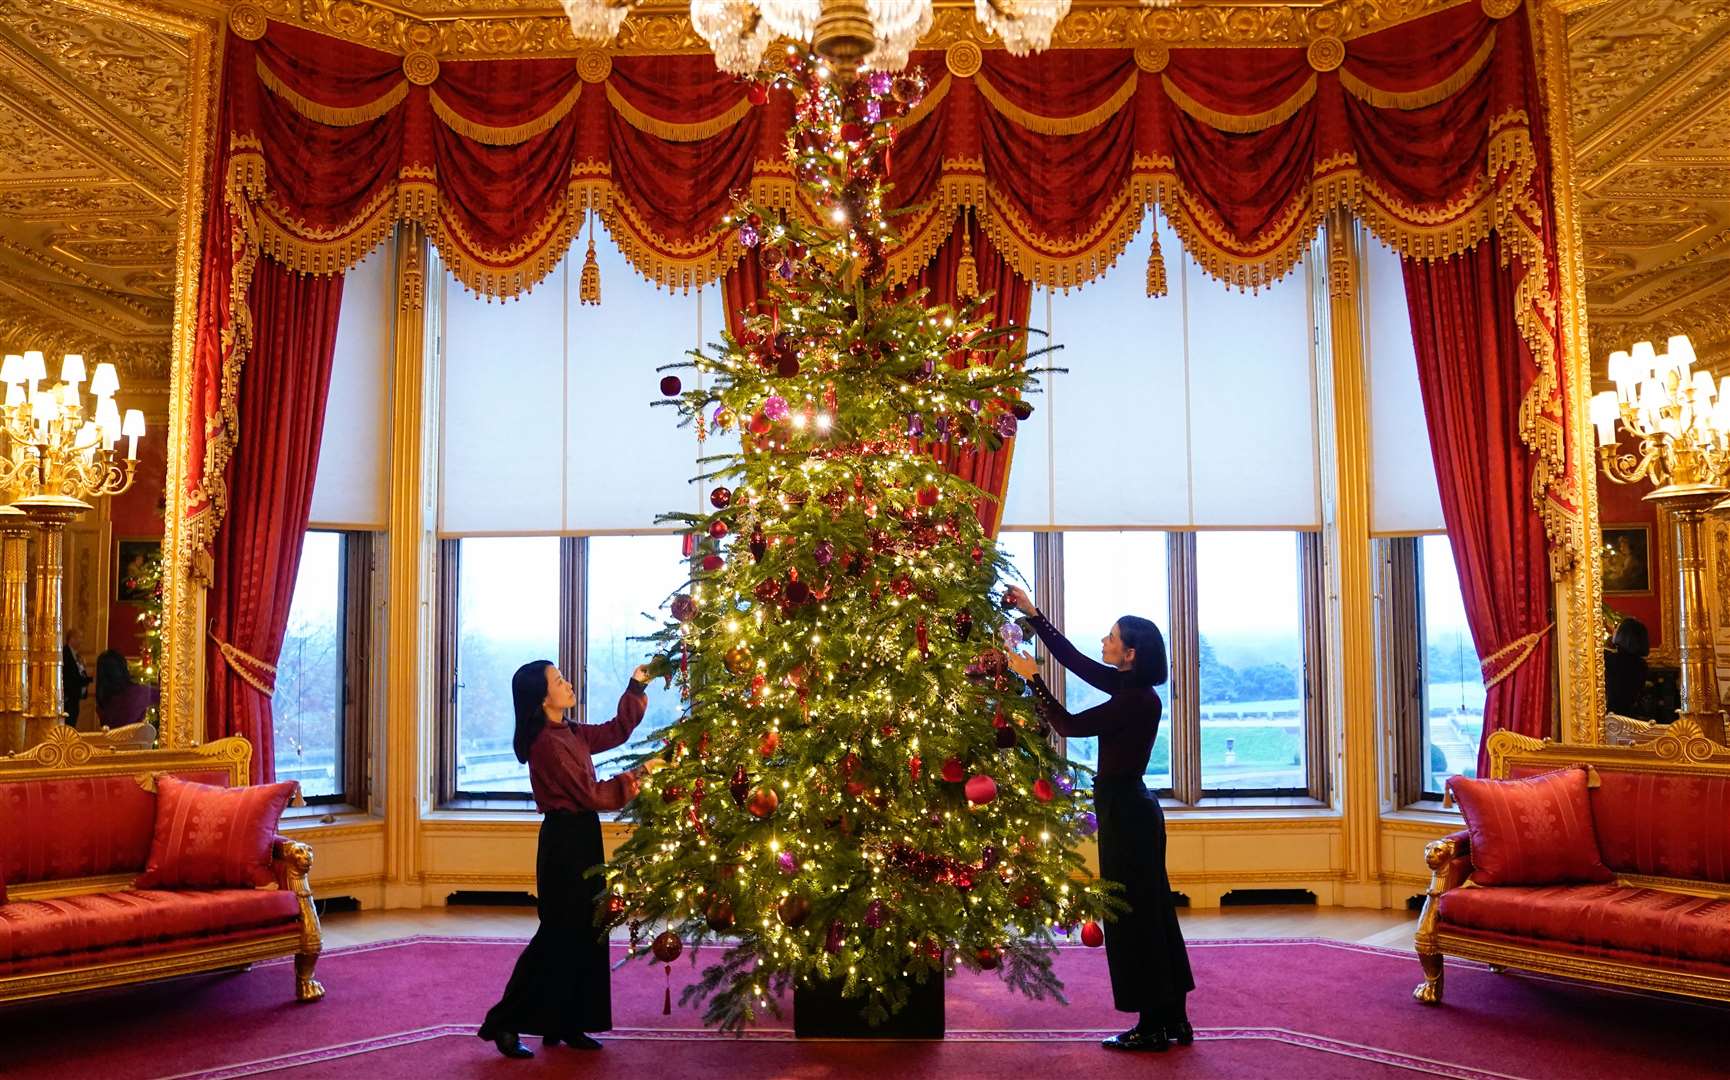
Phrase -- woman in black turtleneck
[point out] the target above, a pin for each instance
(1144, 948)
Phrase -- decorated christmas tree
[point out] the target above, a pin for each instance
(856, 789)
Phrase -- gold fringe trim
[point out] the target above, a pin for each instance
(1497, 666)
(505, 136)
(675, 132)
(1070, 264)
(1241, 125)
(927, 105)
(1426, 96)
(967, 268)
(1059, 125)
(250, 668)
(333, 115)
(930, 227)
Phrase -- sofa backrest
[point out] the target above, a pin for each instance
(1661, 809)
(70, 811)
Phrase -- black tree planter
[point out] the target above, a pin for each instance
(820, 1012)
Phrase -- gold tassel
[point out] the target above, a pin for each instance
(589, 286)
(298, 799)
(1155, 269)
(967, 270)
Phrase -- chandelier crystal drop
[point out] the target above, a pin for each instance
(739, 31)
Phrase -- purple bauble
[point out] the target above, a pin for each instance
(1006, 425)
(941, 428)
(881, 81)
(789, 865)
(874, 914)
(775, 408)
(974, 405)
(1011, 635)
(1089, 823)
(873, 111)
(1064, 782)
(824, 553)
(786, 270)
(915, 425)
(747, 235)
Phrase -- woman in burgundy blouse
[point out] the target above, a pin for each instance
(560, 988)
(1144, 948)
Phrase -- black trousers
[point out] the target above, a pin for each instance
(1144, 948)
(561, 985)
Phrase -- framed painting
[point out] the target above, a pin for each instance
(1627, 559)
(132, 560)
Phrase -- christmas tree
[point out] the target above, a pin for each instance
(856, 789)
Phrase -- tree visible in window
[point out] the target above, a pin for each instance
(858, 790)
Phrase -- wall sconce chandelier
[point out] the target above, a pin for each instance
(878, 34)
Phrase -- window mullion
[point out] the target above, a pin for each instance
(449, 574)
(1184, 648)
(573, 608)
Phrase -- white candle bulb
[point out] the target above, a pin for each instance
(133, 429)
(72, 368)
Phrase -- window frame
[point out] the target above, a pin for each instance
(357, 563)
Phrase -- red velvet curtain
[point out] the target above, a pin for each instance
(283, 388)
(1010, 303)
(1474, 368)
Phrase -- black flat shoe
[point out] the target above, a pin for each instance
(507, 1041)
(1139, 1039)
(579, 1041)
(1181, 1032)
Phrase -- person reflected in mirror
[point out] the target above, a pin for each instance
(1625, 669)
(1144, 949)
(120, 700)
(74, 679)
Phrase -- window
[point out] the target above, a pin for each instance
(1250, 654)
(629, 579)
(508, 597)
(1107, 575)
(1453, 717)
(318, 704)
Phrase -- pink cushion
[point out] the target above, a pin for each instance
(1663, 824)
(211, 837)
(1532, 831)
(1648, 922)
(82, 827)
(75, 924)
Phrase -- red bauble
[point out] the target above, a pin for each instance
(981, 789)
(683, 607)
(1027, 896)
(853, 788)
(717, 528)
(672, 793)
(762, 802)
(740, 786)
(953, 772)
(989, 958)
(832, 943)
(667, 947)
(1022, 410)
(767, 590)
(963, 624)
(793, 911)
(761, 425)
(797, 592)
(670, 386)
(615, 906)
(713, 562)
(1042, 789)
(787, 366)
(903, 586)
(720, 915)
(1091, 935)
(770, 743)
(927, 496)
(757, 93)
(720, 498)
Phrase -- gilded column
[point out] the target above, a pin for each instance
(14, 614)
(1354, 677)
(45, 705)
(409, 706)
(1580, 596)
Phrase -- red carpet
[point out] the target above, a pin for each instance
(1291, 1009)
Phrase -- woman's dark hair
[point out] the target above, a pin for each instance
(528, 698)
(1631, 637)
(1149, 644)
(112, 676)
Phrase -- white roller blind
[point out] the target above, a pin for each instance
(1194, 409)
(354, 453)
(1404, 498)
(547, 423)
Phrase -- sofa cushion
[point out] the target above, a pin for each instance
(1663, 824)
(82, 827)
(73, 924)
(1532, 831)
(209, 837)
(1650, 922)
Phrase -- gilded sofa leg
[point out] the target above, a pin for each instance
(298, 856)
(1430, 990)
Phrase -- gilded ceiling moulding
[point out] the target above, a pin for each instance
(442, 29)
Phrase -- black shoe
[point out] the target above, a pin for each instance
(1181, 1032)
(579, 1041)
(507, 1041)
(1151, 1040)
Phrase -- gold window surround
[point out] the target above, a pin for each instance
(456, 29)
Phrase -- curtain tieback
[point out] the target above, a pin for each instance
(1502, 663)
(256, 673)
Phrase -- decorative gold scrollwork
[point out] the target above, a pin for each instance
(248, 21)
(964, 59)
(1152, 58)
(594, 65)
(1326, 53)
(420, 68)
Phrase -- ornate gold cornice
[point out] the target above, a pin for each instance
(461, 29)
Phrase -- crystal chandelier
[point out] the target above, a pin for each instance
(1678, 418)
(876, 34)
(51, 448)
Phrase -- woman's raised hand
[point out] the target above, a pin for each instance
(1023, 665)
(1015, 596)
(632, 783)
